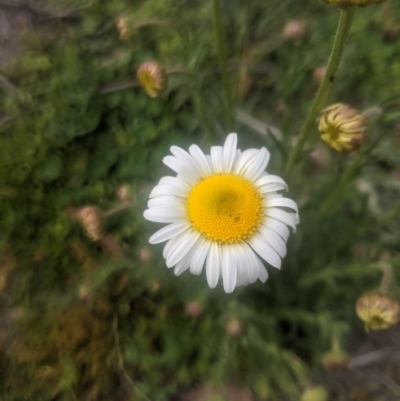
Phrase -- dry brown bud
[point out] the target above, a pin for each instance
(335, 360)
(145, 254)
(123, 27)
(294, 29)
(124, 193)
(194, 308)
(234, 327)
(91, 220)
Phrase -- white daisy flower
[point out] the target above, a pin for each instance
(222, 210)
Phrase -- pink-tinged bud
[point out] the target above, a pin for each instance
(153, 78)
(194, 309)
(145, 254)
(294, 29)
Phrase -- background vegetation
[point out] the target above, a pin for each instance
(103, 319)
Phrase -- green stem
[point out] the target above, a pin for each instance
(346, 18)
(386, 277)
(223, 65)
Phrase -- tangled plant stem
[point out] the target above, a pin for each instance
(345, 21)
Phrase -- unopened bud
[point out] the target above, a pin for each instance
(346, 3)
(145, 254)
(194, 309)
(342, 127)
(123, 28)
(234, 327)
(378, 311)
(91, 220)
(124, 193)
(335, 360)
(294, 29)
(317, 393)
(152, 78)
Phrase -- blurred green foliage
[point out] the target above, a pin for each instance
(94, 320)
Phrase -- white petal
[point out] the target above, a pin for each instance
(197, 263)
(166, 201)
(173, 181)
(165, 214)
(216, 157)
(256, 165)
(171, 186)
(262, 271)
(242, 160)
(168, 232)
(279, 214)
(270, 179)
(229, 153)
(183, 170)
(201, 160)
(260, 245)
(184, 263)
(181, 267)
(268, 188)
(242, 265)
(172, 243)
(274, 240)
(229, 268)
(283, 202)
(213, 265)
(182, 248)
(271, 195)
(185, 158)
(251, 263)
(278, 227)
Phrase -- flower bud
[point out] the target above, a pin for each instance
(335, 360)
(194, 309)
(294, 29)
(145, 254)
(234, 327)
(346, 3)
(317, 393)
(378, 311)
(342, 127)
(123, 28)
(152, 78)
(91, 220)
(124, 193)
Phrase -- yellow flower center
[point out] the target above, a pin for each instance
(225, 208)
